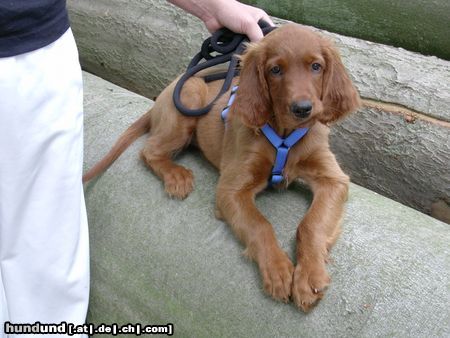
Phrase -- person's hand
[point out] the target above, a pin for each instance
(236, 16)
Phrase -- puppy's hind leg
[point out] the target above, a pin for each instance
(167, 138)
(171, 132)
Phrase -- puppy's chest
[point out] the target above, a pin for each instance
(282, 171)
(295, 161)
(287, 151)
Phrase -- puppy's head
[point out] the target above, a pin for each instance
(294, 77)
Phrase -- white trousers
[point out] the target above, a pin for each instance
(44, 250)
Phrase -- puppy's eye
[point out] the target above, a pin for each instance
(316, 67)
(275, 70)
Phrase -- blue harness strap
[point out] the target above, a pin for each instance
(230, 102)
(281, 145)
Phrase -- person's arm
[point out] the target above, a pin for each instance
(236, 16)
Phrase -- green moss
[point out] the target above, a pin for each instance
(417, 25)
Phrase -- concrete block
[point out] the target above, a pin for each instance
(155, 260)
(397, 145)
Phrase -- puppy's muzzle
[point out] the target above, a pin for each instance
(301, 109)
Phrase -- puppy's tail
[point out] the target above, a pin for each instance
(137, 129)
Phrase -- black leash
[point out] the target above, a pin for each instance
(225, 44)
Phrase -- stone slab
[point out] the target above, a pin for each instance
(155, 260)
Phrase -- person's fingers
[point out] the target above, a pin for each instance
(212, 25)
(253, 31)
(241, 19)
(267, 19)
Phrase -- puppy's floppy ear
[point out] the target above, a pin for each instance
(252, 102)
(339, 96)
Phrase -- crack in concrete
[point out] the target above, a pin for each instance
(410, 115)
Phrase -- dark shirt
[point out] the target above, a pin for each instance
(27, 25)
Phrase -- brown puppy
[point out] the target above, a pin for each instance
(292, 67)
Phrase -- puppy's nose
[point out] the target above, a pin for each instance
(301, 109)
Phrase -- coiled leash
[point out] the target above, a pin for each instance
(226, 44)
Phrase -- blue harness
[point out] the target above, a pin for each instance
(281, 145)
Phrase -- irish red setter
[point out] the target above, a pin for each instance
(292, 78)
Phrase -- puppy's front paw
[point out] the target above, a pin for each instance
(308, 287)
(276, 270)
(179, 182)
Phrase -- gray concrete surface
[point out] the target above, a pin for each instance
(408, 161)
(143, 45)
(156, 260)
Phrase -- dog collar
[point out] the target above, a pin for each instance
(282, 145)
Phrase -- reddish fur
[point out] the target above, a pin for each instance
(244, 157)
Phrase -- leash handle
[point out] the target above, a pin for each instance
(265, 26)
(226, 44)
